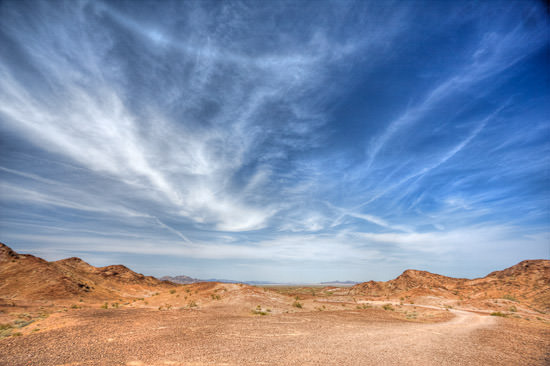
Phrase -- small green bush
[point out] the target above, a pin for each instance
(498, 313)
(259, 311)
(5, 330)
(172, 291)
(298, 305)
(22, 323)
(510, 297)
(388, 307)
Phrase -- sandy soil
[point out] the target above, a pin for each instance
(214, 337)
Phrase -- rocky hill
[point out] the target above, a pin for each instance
(24, 276)
(527, 281)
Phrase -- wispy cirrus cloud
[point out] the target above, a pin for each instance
(273, 131)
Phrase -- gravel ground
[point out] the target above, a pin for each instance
(346, 337)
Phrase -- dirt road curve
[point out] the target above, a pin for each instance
(362, 337)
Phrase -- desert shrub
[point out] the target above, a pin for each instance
(75, 306)
(105, 306)
(258, 312)
(388, 307)
(513, 309)
(115, 305)
(215, 297)
(172, 291)
(192, 304)
(5, 330)
(498, 313)
(17, 334)
(298, 305)
(510, 297)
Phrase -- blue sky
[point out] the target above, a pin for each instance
(296, 141)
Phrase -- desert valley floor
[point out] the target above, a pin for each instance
(342, 337)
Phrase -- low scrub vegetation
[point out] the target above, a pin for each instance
(510, 297)
(5, 330)
(20, 323)
(259, 311)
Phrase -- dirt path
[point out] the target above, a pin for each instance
(362, 337)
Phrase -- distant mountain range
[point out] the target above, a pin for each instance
(185, 280)
(339, 283)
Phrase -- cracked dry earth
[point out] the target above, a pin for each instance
(360, 337)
